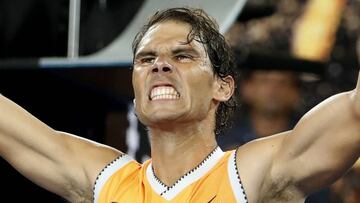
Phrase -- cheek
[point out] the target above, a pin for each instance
(201, 87)
(135, 88)
(138, 81)
(201, 75)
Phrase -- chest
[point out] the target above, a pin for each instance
(214, 188)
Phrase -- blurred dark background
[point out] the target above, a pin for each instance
(89, 102)
(38, 28)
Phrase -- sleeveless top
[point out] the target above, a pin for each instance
(215, 179)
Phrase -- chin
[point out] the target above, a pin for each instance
(162, 117)
(156, 118)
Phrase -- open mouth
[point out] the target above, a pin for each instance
(164, 93)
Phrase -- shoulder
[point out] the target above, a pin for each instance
(255, 165)
(90, 155)
(258, 154)
(114, 174)
(86, 159)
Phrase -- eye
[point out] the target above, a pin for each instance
(147, 60)
(184, 57)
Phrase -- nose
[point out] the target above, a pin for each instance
(161, 65)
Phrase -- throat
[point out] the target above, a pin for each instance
(176, 152)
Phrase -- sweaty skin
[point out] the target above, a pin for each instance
(182, 129)
(313, 146)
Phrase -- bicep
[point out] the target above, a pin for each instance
(42, 161)
(64, 164)
(57, 161)
(322, 146)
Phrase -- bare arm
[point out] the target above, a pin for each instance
(61, 163)
(322, 146)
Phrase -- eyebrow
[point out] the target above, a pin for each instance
(177, 50)
(188, 50)
(145, 53)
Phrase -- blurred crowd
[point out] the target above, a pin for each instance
(273, 96)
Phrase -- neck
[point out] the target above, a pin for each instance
(176, 152)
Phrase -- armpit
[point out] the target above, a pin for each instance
(279, 190)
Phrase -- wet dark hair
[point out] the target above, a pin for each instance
(205, 30)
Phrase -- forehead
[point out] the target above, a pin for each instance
(166, 35)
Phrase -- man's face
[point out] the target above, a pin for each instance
(172, 80)
(271, 92)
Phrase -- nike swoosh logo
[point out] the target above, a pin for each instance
(212, 199)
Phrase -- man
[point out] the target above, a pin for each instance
(183, 85)
(270, 99)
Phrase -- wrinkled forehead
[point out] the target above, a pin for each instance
(168, 34)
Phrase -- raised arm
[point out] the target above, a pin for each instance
(61, 163)
(323, 145)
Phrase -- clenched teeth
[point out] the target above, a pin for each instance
(164, 92)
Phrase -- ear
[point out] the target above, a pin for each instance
(224, 88)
